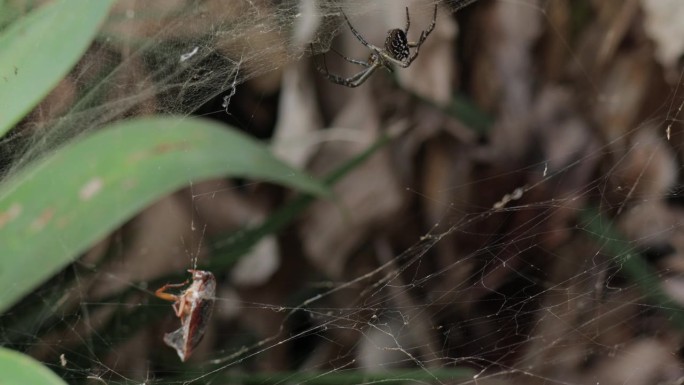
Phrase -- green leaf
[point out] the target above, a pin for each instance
(59, 206)
(20, 369)
(32, 321)
(38, 50)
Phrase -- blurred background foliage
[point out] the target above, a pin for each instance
(506, 210)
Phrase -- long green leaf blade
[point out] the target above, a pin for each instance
(20, 369)
(57, 207)
(38, 50)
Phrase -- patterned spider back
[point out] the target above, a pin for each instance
(396, 44)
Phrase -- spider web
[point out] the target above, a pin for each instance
(508, 253)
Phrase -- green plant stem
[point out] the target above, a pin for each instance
(631, 263)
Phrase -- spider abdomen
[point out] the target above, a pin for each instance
(396, 44)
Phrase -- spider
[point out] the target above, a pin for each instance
(396, 52)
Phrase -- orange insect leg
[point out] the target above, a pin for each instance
(161, 292)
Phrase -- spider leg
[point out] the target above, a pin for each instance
(358, 35)
(317, 64)
(415, 53)
(362, 76)
(354, 61)
(433, 23)
(408, 22)
(421, 40)
(324, 70)
(414, 44)
(355, 80)
(428, 31)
